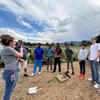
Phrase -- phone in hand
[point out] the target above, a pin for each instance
(12, 77)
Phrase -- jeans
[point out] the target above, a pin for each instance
(94, 66)
(68, 62)
(57, 61)
(49, 62)
(82, 67)
(35, 65)
(9, 85)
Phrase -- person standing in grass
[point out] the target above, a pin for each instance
(94, 62)
(82, 55)
(10, 57)
(58, 55)
(39, 52)
(49, 55)
(69, 54)
(24, 59)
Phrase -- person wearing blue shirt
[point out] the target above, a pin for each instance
(39, 52)
(24, 59)
(49, 56)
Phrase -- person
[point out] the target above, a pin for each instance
(39, 52)
(49, 55)
(94, 62)
(69, 54)
(10, 57)
(58, 55)
(82, 56)
(24, 63)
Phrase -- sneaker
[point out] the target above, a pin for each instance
(82, 77)
(25, 75)
(96, 86)
(39, 73)
(73, 73)
(33, 74)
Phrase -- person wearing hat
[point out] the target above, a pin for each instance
(23, 62)
(69, 57)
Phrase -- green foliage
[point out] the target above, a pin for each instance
(98, 38)
(1, 63)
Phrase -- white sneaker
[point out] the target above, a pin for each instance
(33, 74)
(96, 86)
(39, 73)
(89, 79)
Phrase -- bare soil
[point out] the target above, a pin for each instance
(73, 89)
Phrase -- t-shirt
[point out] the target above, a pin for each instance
(82, 55)
(58, 52)
(17, 48)
(49, 52)
(38, 53)
(69, 53)
(94, 51)
(8, 56)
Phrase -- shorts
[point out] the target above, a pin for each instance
(24, 64)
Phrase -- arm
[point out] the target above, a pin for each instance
(19, 54)
(98, 55)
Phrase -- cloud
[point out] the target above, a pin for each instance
(12, 33)
(24, 23)
(65, 19)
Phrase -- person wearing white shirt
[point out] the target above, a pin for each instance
(94, 62)
(82, 56)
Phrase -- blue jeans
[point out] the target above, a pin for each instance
(35, 65)
(9, 85)
(94, 66)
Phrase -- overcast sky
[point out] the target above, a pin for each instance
(50, 20)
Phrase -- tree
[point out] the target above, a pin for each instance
(98, 38)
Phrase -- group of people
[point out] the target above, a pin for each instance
(15, 56)
(50, 54)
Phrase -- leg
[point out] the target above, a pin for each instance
(59, 64)
(83, 68)
(55, 64)
(47, 64)
(92, 71)
(35, 66)
(25, 68)
(68, 66)
(72, 66)
(40, 65)
(9, 85)
(50, 61)
(96, 69)
(80, 67)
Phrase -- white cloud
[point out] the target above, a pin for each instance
(66, 19)
(12, 33)
(24, 23)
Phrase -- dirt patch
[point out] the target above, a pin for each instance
(73, 89)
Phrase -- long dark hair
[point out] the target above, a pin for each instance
(6, 39)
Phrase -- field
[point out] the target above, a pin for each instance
(73, 89)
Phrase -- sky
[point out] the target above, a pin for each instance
(50, 20)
